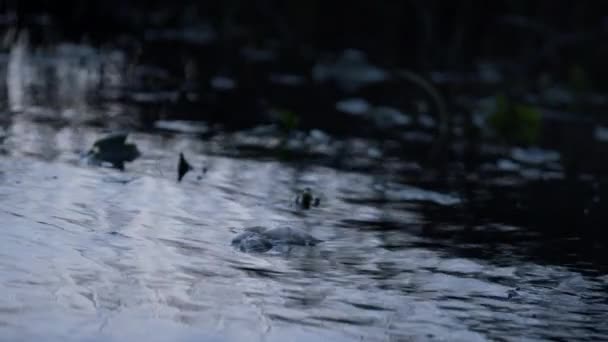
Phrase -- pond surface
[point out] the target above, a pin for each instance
(95, 254)
(498, 247)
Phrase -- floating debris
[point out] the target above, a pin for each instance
(114, 150)
(515, 122)
(306, 200)
(513, 293)
(182, 167)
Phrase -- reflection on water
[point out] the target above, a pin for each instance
(90, 253)
(63, 81)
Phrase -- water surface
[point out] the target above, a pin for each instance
(97, 254)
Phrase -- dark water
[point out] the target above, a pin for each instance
(95, 254)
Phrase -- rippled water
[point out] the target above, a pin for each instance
(94, 254)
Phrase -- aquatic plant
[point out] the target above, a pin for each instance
(514, 122)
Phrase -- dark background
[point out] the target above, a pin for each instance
(533, 45)
(420, 34)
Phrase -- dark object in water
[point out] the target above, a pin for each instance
(113, 149)
(513, 293)
(182, 167)
(261, 239)
(306, 200)
(111, 141)
(253, 244)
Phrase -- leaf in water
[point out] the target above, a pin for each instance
(113, 149)
(182, 167)
(288, 120)
(515, 123)
(111, 141)
(527, 119)
(578, 79)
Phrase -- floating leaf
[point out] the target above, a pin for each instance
(578, 79)
(113, 149)
(288, 120)
(515, 123)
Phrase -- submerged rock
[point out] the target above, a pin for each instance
(114, 150)
(261, 239)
